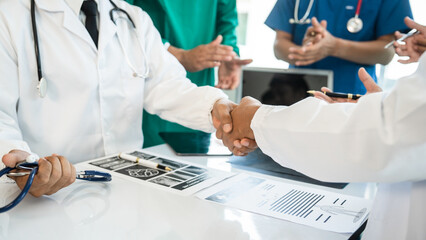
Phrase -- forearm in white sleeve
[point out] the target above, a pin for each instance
(10, 133)
(382, 138)
(168, 92)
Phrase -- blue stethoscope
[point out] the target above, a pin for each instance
(31, 167)
(42, 83)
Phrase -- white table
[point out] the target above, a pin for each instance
(125, 210)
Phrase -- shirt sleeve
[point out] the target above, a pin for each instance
(10, 133)
(391, 17)
(280, 15)
(227, 21)
(168, 93)
(382, 138)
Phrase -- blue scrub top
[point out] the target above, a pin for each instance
(380, 17)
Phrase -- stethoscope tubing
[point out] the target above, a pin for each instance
(42, 82)
(24, 191)
(88, 175)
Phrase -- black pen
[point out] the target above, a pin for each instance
(339, 95)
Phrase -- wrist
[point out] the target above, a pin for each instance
(337, 47)
(178, 53)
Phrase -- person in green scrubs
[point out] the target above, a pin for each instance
(201, 35)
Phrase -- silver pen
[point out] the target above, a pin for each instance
(409, 34)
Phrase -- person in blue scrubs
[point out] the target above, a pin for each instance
(336, 48)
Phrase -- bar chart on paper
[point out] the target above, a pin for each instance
(321, 209)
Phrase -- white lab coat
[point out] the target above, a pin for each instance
(382, 139)
(94, 104)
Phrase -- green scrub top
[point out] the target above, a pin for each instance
(187, 24)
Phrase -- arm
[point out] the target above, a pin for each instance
(10, 131)
(283, 42)
(168, 93)
(55, 172)
(370, 52)
(377, 139)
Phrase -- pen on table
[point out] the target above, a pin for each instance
(339, 95)
(409, 34)
(143, 162)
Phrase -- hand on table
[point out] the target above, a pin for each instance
(54, 173)
(365, 78)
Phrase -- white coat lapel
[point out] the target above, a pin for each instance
(107, 28)
(70, 21)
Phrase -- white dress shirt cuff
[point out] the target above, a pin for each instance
(258, 127)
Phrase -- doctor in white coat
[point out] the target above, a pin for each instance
(95, 94)
(382, 138)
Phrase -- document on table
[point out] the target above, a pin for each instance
(184, 178)
(309, 206)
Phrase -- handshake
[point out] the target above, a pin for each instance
(233, 122)
(234, 129)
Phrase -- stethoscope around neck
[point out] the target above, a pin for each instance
(42, 83)
(354, 24)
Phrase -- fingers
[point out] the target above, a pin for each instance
(368, 81)
(221, 114)
(218, 40)
(244, 146)
(242, 62)
(412, 24)
(63, 173)
(420, 43)
(324, 24)
(325, 89)
(54, 173)
(14, 157)
(323, 97)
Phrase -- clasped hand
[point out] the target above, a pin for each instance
(318, 44)
(238, 135)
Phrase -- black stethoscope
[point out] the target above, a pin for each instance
(354, 24)
(31, 165)
(42, 83)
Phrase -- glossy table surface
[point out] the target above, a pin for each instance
(126, 210)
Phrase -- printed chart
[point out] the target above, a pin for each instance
(321, 209)
(183, 177)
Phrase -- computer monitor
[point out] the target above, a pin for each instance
(283, 86)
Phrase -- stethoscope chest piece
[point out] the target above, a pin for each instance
(354, 24)
(42, 88)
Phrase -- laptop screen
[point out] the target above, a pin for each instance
(283, 86)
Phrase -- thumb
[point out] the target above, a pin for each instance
(411, 24)
(398, 35)
(217, 41)
(315, 22)
(324, 24)
(14, 157)
(368, 81)
(222, 112)
(243, 62)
